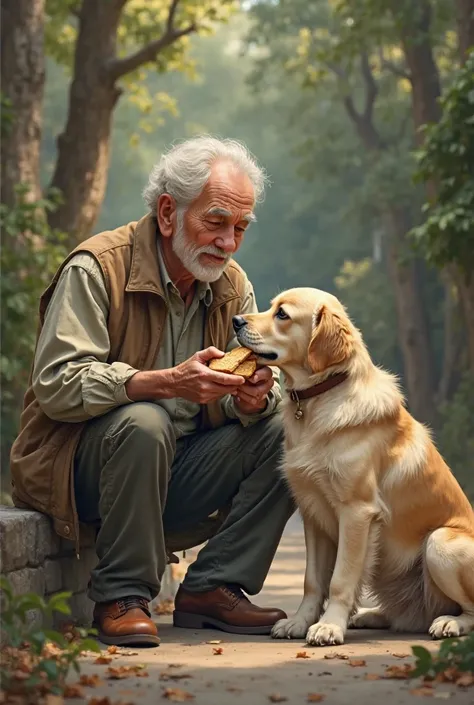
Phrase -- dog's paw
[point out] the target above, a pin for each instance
(448, 626)
(294, 628)
(321, 634)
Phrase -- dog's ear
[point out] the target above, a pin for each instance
(331, 342)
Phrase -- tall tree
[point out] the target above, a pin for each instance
(106, 45)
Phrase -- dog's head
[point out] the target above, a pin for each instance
(306, 333)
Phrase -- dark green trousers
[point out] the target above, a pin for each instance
(138, 484)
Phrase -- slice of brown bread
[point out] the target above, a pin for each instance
(246, 369)
(230, 361)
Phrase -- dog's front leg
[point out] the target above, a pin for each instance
(320, 559)
(354, 527)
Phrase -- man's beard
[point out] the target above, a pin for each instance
(189, 254)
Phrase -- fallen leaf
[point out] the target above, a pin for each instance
(371, 677)
(422, 692)
(442, 694)
(277, 698)
(128, 653)
(399, 672)
(465, 680)
(340, 656)
(103, 660)
(234, 689)
(323, 673)
(218, 651)
(51, 699)
(112, 650)
(164, 607)
(401, 655)
(175, 665)
(214, 641)
(91, 680)
(177, 695)
(167, 676)
(356, 663)
(315, 697)
(302, 654)
(126, 672)
(73, 691)
(99, 701)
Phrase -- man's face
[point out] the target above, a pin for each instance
(211, 229)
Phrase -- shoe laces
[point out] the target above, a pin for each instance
(235, 592)
(132, 602)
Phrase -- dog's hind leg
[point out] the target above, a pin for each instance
(449, 557)
(320, 559)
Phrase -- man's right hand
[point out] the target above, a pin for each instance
(195, 381)
(191, 380)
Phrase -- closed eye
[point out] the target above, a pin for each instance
(282, 315)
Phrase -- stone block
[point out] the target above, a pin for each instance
(27, 580)
(53, 576)
(81, 611)
(26, 537)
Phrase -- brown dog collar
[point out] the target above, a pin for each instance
(298, 395)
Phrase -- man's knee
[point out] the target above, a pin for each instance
(268, 434)
(147, 421)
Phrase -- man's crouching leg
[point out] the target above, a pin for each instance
(241, 467)
(122, 469)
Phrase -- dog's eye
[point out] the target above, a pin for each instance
(282, 315)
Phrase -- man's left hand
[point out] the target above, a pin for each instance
(251, 397)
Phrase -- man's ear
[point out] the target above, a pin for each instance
(166, 214)
(331, 341)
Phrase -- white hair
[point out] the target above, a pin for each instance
(184, 170)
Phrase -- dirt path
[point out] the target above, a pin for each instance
(252, 670)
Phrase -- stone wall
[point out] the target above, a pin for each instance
(35, 559)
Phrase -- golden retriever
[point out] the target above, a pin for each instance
(380, 507)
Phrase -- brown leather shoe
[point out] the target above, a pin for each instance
(125, 622)
(225, 608)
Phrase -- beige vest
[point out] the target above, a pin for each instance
(42, 455)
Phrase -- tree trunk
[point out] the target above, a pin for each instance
(83, 147)
(413, 328)
(23, 75)
(465, 22)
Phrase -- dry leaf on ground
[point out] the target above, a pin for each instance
(315, 697)
(302, 654)
(277, 698)
(399, 672)
(372, 677)
(214, 641)
(442, 695)
(465, 680)
(51, 699)
(126, 671)
(422, 692)
(343, 657)
(103, 660)
(401, 655)
(73, 691)
(164, 607)
(92, 680)
(218, 651)
(176, 695)
(234, 689)
(112, 650)
(357, 662)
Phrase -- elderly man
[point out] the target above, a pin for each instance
(125, 427)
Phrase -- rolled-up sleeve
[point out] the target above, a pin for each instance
(72, 379)
(249, 305)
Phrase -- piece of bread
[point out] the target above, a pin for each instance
(231, 360)
(247, 368)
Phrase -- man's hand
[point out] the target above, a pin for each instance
(192, 380)
(251, 397)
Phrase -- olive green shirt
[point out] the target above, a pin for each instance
(72, 379)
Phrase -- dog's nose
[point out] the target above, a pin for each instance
(238, 322)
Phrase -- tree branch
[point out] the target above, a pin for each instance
(370, 85)
(120, 67)
(395, 69)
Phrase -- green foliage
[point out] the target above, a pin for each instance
(47, 669)
(456, 436)
(456, 654)
(446, 160)
(31, 252)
